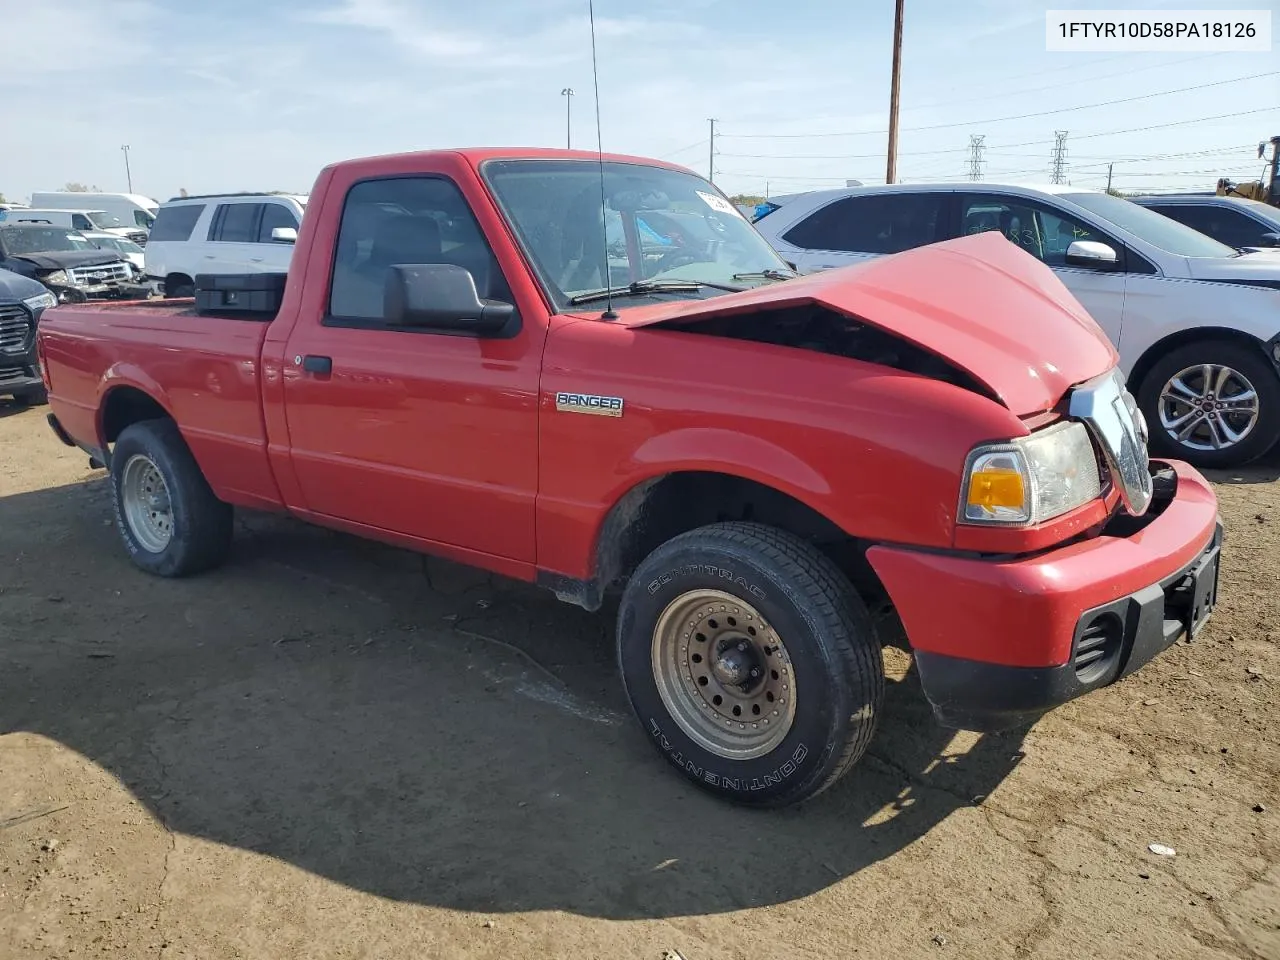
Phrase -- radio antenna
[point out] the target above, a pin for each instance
(604, 239)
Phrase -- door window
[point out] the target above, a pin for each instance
(80, 222)
(1231, 227)
(403, 221)
(883, 223)
(235, 223)
(1045, 234)
(275, 215)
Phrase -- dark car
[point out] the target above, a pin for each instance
(22, 301)
(1236, 221)
(68, 264)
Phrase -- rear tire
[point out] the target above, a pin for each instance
(711, 606)
(1176, 387)
(177, 285)
(171, 523)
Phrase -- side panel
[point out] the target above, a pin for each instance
(203, 370)
(805, 423)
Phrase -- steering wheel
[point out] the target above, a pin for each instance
(674, 259)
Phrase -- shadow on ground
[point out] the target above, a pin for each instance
(418, 731)
(1265, 469)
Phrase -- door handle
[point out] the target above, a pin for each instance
(314, 364)
(255, 259)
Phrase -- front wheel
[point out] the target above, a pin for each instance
(1213, 403)
(750, 662)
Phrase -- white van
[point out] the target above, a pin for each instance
(132, 209)
(76, 220)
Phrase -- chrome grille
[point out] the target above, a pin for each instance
(106, 273)
(1105, 406)
(15, 330)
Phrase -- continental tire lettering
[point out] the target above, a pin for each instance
(707, 569)
(786, 769)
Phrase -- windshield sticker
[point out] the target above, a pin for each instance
(719, 204)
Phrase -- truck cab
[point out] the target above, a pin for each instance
(592, 373)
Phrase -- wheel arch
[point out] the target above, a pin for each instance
(664, 505)
(124, 404)
(1181, 338)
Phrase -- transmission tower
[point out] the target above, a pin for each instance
(1059, 174)
(975, 156)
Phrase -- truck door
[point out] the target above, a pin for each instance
(429, 434)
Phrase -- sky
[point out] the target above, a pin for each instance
(226, 95)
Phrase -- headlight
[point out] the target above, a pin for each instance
(40, 302)
(58, 276)
(1032, 479)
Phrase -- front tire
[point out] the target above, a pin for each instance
(176, 285)
(750, 662)
(1213, 403)
(170, 521)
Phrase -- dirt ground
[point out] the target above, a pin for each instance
(333, 749)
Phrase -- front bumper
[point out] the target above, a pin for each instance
(1000, 642)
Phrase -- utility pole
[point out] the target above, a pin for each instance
(711, 158)
(127, 174)
(567, 93)
(891, 170)
(1109, 166)
(1059, 173)
(975, 156)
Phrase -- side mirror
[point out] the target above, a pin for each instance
(1091, 253)
(1270, 240)
(284, 235)
(441, 296)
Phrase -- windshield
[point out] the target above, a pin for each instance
(19, 240)
(102, 219)
(1155, 228)
(658, 224)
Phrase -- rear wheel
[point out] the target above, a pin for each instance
(177, 285)
(1214, 403)
(751, 663)
(171, 522)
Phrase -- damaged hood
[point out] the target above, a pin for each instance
(978, 302)
(61, 260)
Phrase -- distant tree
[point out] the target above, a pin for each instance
(75, 188)
(182, 191)
(748, 199)
(1118, 193)
(2, 199)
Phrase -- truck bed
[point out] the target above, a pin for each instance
(96, 353)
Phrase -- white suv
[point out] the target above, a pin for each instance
(223, 233)
(1197, 323)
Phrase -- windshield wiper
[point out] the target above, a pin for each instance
(639, 288)
(767, 275)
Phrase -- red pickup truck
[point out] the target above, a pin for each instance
(594, 374)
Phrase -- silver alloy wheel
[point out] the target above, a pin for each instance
(723, 674)
(147, 508)
(1208, 407)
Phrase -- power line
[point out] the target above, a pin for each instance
(691, 146)
(1020, 116)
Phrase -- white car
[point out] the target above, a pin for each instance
(109, 241)
(223, 233)
(1197, 323)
